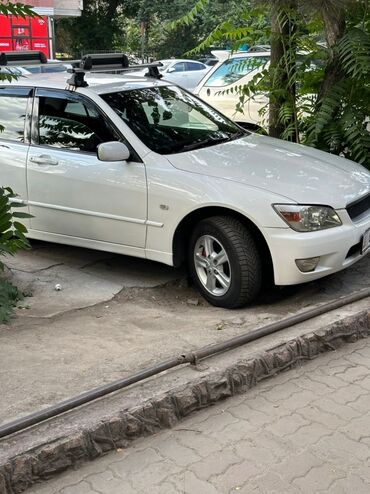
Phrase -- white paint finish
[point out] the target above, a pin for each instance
(88, 198)
(135, 208)
(13, 170)
(331, 245)
(298, 173)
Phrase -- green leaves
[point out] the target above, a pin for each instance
(9, 296)
(12, 232)
(354, 53)
(17, 9)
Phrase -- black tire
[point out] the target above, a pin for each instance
(243, 258)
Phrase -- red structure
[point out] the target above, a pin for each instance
(21, 34)
(36, 33)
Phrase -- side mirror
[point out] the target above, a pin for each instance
(170, 70)
(113, 151)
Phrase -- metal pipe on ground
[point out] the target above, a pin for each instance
(190, 357)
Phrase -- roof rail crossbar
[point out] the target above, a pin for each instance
(104, 61)
(10, 58)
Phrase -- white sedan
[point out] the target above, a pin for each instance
(184, 73)
(141, 167)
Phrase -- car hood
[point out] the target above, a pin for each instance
(299, 173)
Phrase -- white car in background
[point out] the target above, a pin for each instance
(218, 87)
(184, 73)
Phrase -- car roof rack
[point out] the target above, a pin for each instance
(11, 58)
(94, 63)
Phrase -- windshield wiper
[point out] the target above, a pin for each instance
(205, 143)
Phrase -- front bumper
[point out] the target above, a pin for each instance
(337, 248)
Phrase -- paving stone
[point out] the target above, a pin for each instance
(314, 414)
(181, 455)
(297, 465)
(215, 422)
(153, 474)
(107, 481)
(328, 405)
(236, 476)
(304, 382)
(338, 448)
(80, 488)
(287, 425)
(256, 418)
(314, 443)
(272, 483)
(203, 444)
(361, 404)
(306, 435)
(134, 461)
(358, 429)
(188, 483)
(319, 478)
(344, 397)
(235, 432)
(355, 373)
(351, 483)
(215, 464)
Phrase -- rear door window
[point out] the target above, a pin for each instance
(195, 66)
(13, 110)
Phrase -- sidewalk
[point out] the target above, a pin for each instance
(305, 431)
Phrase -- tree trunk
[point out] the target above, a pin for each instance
(282, 63)
(335, 26)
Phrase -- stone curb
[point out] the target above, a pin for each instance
(48, 458)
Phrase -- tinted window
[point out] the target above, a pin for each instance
(234, 69)
(13, 106)
(178, 67)
(169, 120)
(194, 66)
(73, 123)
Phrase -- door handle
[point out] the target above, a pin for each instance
(44, 159)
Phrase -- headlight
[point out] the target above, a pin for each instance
(308, 218)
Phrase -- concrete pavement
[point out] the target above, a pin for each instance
(115, 315)
(304, 431)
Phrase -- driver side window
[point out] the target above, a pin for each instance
(70, 122)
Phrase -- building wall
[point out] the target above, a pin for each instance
(59, 7)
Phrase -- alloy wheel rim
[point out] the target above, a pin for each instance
(212, 265)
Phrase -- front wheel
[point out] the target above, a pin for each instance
(224, 262)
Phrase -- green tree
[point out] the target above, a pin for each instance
(322, 95)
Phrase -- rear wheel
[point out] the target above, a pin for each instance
(224, 262)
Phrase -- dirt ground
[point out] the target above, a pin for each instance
(94, 317)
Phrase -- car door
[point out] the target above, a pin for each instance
(15, 106)
(194, 71)
(176, 73)
(72, 192)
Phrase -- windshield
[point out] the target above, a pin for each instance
(234, 69)
(169, 120)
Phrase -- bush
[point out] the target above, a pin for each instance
(12, 238)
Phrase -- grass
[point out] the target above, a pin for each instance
(9, 296)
